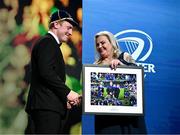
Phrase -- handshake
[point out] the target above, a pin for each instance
(73, 99)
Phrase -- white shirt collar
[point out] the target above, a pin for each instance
(56, 38)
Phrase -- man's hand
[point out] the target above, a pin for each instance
(69, 105)
(73, 98)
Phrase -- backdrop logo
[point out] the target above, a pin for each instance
(139, 44)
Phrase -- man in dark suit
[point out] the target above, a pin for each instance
(49, 97)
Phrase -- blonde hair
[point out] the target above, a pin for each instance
(112, 40)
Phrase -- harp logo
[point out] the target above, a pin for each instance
(139, 44)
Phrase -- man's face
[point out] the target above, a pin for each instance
(64, 31)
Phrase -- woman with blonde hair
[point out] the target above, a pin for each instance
(109, 53)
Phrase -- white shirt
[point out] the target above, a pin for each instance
(56, 38)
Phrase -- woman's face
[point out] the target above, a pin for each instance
(104, 47)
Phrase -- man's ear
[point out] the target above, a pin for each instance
(56, 25)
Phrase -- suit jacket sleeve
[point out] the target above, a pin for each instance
(47, 61)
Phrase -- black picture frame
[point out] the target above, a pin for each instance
(113, 92)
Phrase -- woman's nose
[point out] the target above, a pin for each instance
(100, 45)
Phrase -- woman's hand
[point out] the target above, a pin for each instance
(114, 63)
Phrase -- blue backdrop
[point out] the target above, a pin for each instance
(155, 26)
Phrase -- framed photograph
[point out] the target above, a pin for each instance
(113, 92)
